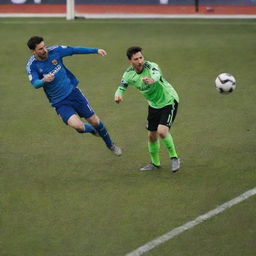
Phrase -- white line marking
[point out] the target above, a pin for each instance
(164, 238)
(132, 21)
(130, 16)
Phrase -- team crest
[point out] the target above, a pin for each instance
(54, 62)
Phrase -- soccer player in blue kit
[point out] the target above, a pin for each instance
(46, 69)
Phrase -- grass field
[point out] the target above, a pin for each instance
(65, 194)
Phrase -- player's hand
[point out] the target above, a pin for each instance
(102, 52)
(118, 99)
(48, 78)
(148, 80)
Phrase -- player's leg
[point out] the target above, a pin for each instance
(153, 141)
(168, 115)
(85, 110)
(167, 140)
(69, 116)
(76, 123)
(67, 111)
(103, 133)
(154, 147)
(101, 129)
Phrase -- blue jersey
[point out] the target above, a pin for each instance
(64, 81)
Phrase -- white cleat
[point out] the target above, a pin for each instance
(116, 150)
(175, 164)
(150, 167)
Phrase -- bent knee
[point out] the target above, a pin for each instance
(79, 129)
(152, 136)
(162, 134)
(162, 131)
(93, 120)
(76, 124)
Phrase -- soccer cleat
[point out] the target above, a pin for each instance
(149, 167)
(175, 164)
(116, 150)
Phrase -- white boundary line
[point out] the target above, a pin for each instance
(238, 22)
(164, 238)
(130, 16)
(32, 15)
(164, 16)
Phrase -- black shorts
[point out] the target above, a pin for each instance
(164, 116)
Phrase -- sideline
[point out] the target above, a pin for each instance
(124, 21)
(168, 236)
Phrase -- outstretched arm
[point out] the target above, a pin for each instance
(102, 52)
(120, 91)
(118, 98)
(68, 50)
(84, 50)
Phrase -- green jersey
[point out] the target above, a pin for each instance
(159, 94)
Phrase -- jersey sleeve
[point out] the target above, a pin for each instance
(155, 72)
(69, 50)
(33, 76)
(122, 87)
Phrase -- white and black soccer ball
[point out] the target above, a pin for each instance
(225, 83)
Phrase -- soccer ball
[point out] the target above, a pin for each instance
(225, 83)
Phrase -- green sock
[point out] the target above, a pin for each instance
(154, 148)
(169, 144)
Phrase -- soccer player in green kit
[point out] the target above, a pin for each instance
(163, 103)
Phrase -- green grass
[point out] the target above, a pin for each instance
(64, 194)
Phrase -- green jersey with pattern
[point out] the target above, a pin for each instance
(159, 94)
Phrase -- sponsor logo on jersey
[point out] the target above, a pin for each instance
(144, 87)
(55, 70)
(54, 62)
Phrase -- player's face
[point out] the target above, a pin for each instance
(137, 62)
(40, 51)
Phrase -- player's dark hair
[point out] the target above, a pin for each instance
(34, 41)
(132, 50)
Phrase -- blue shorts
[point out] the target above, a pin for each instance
(74, 103)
